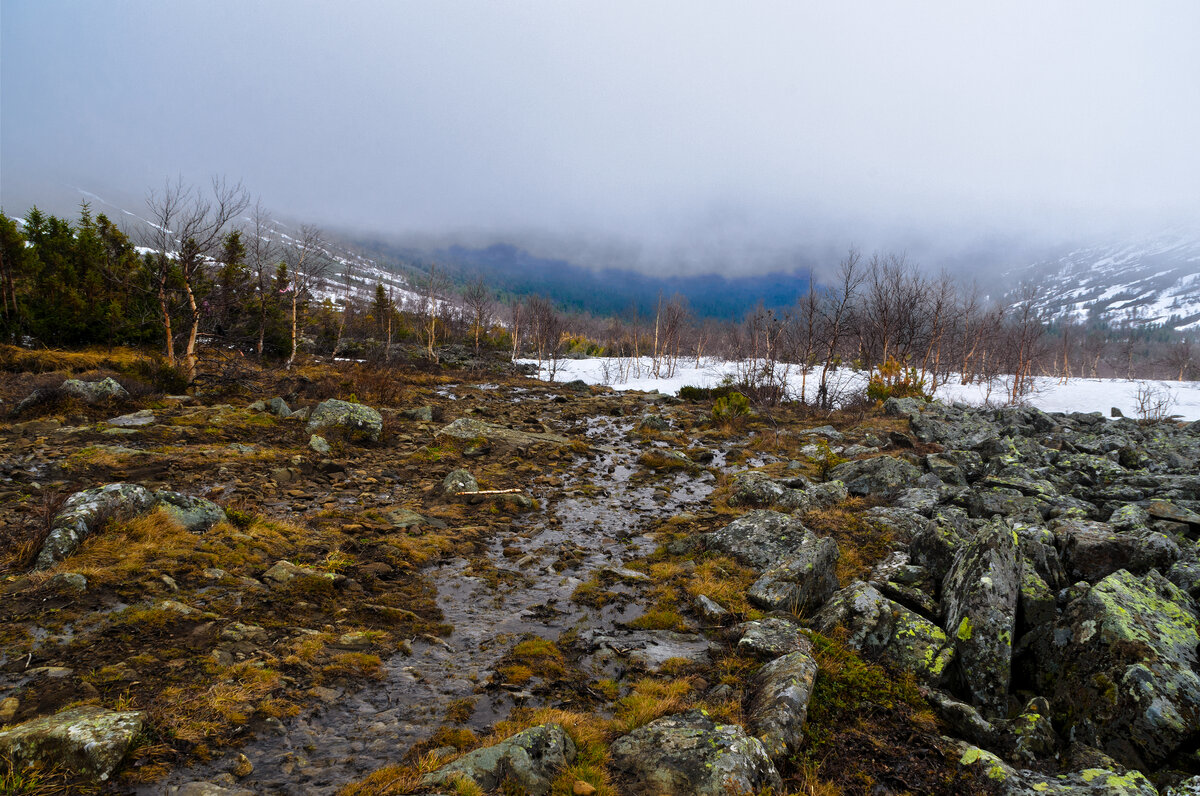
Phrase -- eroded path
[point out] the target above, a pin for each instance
(599, 517)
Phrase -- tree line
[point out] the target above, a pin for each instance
(207, 267)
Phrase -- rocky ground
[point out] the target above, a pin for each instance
(462, 581)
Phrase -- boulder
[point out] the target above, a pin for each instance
(979, 598)
(94, 392)
(801, 581)
(883, 628)
(710, 610)
(1011, 781)
(528, 761)
(883, 475)
(278, 407)
(758, 489)
(195, 514)
(84, 513)
(1120, 665)
(319, 444)
(459, 481)
(1093, 550)
(688, 754)
(771, 638)
(422, 414)
(88, 740)
(759, 538)
(779, 703)
(352, 420)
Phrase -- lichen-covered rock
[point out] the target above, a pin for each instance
(1032, 733)
(758, 489)
(690, 755)
(1120, 666)
(883, 475)
(1094, 550)
(1189, 787)
(195, 514)
(278, 407)
(779, 703)
(529, 760)
(800, 582)
(89, 740)
(771, 638)
(459, 481)
(935, 545)
(319, 444)
(710, 610)
(879, 626)
(94, 392)
(84, 513)
(352, 420)
(979, 597)
(1012, 781)
(760, 538)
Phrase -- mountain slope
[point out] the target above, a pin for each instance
(1148, 281)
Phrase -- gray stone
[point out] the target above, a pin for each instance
(979, 597)
(422, 414)
(467, 428)
(459, 481)
(779, 703)
(758, 489)
(1093, 550)
(350, 419)
(206, 789)
(711, 611)
(319, 444)
(137, 419)
(195, 514)
(84, 513)
(759, 538)
(88, 739)
(883, 475)
(529, 760)
(649, 649)
(771, 638)
(690, 755)
(94, 392)
(278, 407)
(801, 581)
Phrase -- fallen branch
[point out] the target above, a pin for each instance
(488, 492)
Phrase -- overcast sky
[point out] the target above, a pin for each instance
(730, 127)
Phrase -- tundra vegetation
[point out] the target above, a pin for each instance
(350, 548)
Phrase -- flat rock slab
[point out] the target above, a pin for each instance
(760, 539)
(88, 739)
(650, 648)
(467, 428)
(133, 420)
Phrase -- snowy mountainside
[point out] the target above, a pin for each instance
(1149, 281)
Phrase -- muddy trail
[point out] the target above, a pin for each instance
(539, 561)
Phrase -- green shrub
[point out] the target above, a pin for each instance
(893, 380)
(825, 459)
(730, 406)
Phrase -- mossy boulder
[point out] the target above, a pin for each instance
(88, 740)
(1120, 666)
(979, 599)
(529, 760)
(689, 754)
(350, 419)
(1011, 781)
(759, 489)
(878, 626)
